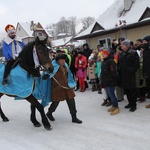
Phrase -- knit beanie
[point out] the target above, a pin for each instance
(126, 43)
(106, 52)
(147, 38)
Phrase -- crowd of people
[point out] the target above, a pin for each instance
(113, 72)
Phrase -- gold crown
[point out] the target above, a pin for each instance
(10, 28)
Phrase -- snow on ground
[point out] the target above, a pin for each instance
(99, 130)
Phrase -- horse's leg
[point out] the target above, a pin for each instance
(40, 108)
(5, 119)
(33, 117)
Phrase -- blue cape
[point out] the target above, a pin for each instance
(71, 82)
(47, 83)
(20, 85)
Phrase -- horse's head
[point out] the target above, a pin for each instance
(43, 54)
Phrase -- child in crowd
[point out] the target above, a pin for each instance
(81, 73)
(91, 72)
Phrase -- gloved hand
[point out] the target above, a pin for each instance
(141, 82)
(45, 76)
(82, 69)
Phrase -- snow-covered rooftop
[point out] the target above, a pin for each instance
(61, 42)
(116, 12)
(63, 34)
(26, 27)
(49, 35)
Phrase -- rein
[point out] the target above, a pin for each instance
(36, 58)
(60, 84)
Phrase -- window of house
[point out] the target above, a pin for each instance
(105, 42)
(40, 34)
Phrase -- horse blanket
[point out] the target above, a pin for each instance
(21, 85)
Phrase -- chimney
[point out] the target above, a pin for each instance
(31, 25)
(127, 4)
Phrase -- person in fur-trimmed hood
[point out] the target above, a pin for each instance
(62, 84)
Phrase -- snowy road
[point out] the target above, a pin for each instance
(99, 131)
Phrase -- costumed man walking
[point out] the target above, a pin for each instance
(62, 84)
(11, 48)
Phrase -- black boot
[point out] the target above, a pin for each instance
(93, 87)
(104, 103)
(127, 106)
(50, 116)
(132, 109)
(75, 119)
(109, 103)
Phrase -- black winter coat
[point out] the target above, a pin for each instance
(146, 60)
(108, 75)
(128, 64)
(87, 52)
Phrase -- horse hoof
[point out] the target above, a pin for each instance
(48, 127)
(5, 120)
(37, 125)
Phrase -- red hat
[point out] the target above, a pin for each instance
(105, 52)
(9, 28)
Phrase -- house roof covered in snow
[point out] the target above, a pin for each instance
(116, 14)
(61, 42)
(26, 27)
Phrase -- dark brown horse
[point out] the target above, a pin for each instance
(26, 61)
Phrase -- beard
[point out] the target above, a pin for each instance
(12, 36)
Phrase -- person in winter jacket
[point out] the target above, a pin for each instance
(86, 51)
(146, 62)
(140, 79)
(91, 72)
(119, 90)
(81, 67)
(128, 65)
(108, 79)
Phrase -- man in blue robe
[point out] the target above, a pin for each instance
(11, 48)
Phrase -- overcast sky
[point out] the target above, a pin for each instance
(48, 11)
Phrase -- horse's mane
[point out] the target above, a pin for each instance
(26, 59)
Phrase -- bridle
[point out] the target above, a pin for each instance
(40, 67)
